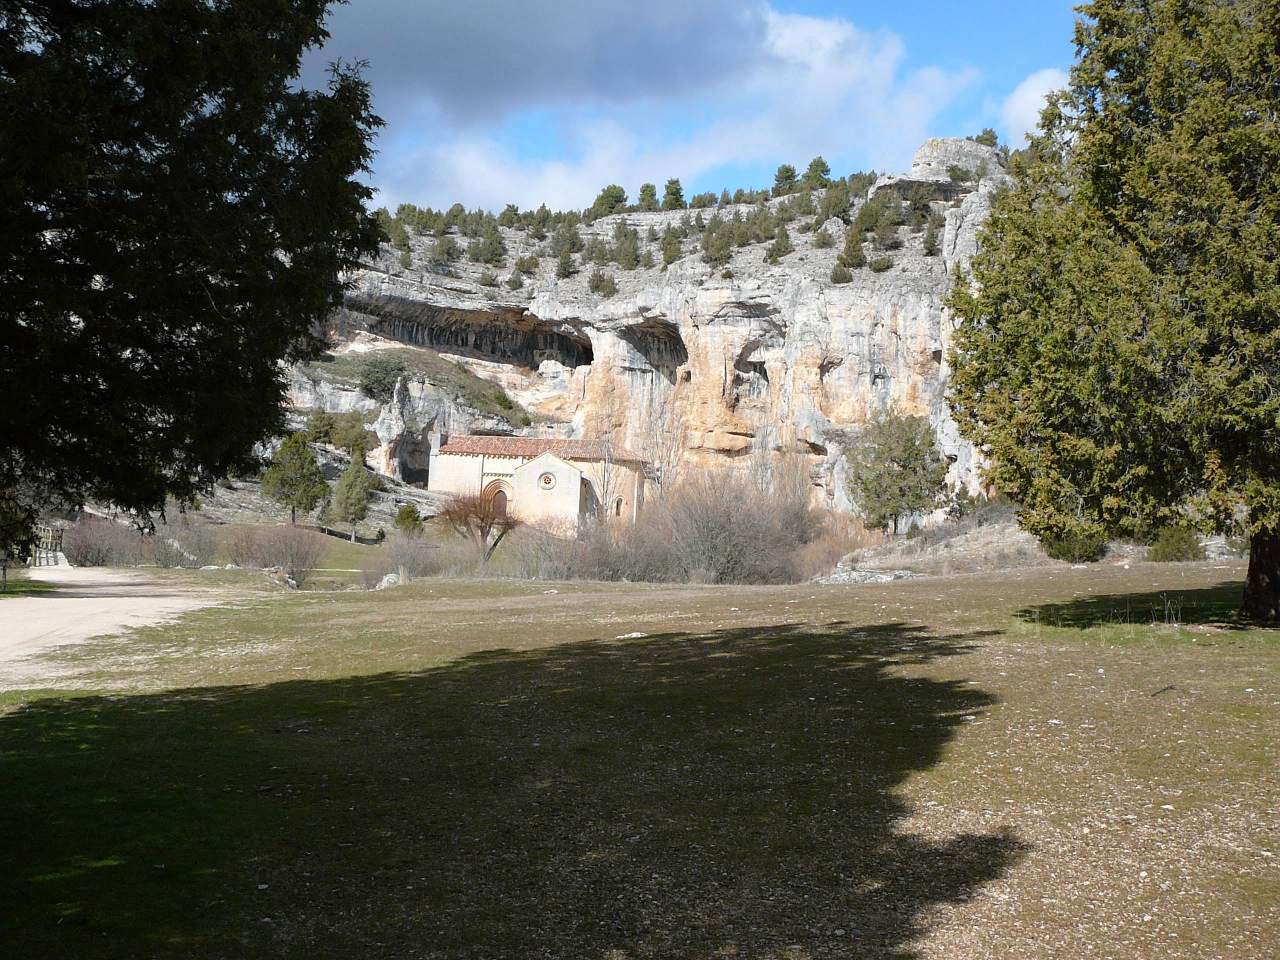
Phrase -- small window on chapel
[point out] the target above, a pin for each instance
(617, 507)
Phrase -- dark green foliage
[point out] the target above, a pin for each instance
(673, 196)
(601, 283)
(860, 183)
(651, 234)
(852, 256)
(1081, 546)
(648, 197)
(445, 250)
(178, 215)
(887, 223)
(626, 246)
(841, 274)
(823, 240)
(566, 239)
(488, 279)
(408, 520)
(780, 247)
(1117, 352)
(1176, 545)
(399, 236)
(895, 469)
(350, 500)
(611, 200)
(564, 265)
(835, 202)
(701, 201)
(725, 199)
(646, 259)
(726, 274)
(671, 248)
(489, 247)
(349, 432)
(933, 228)
(294, 477)
(987, 138)
(515, 281)
(880, 264)
(379, 373)
(597, 251)
(717, 242)
(802, 205)
(510, 216)
(818, 174)
(527, 265)
(784, 181)
(961, 174)
(319, 427)
(406, 261)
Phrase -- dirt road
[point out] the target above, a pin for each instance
(88, 602)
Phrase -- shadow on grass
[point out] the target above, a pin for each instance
(677, 796)
(1218, 605)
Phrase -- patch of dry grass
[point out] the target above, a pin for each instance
(1011, 765)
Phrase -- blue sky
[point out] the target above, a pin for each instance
(526, 101)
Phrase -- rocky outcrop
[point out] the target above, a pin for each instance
(723, 364)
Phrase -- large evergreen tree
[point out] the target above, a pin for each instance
(294, 477)
(1118, 355)
(673, 196)
(177, 215)
(895, 469)
(350, 502)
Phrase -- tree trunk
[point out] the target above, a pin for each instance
(353, 533)
(293, 515)
(1262, 588)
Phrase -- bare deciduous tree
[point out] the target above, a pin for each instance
(480, 521)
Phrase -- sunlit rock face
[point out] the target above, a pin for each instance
(729, 364)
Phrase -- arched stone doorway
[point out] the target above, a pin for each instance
(497, 497)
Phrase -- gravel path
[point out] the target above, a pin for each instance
(88, 602)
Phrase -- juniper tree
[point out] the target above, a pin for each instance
(780, 247)
(294, 477)
(611, 199)
(350, 501)
(818, 175)
(648, 197)
(178, 216)
(1117, 354)
(673, 196)
(895, 469)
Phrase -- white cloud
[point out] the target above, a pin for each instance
(1020, 113)
(812, 85)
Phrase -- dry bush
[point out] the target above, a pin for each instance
(530, 553)
(189, 544)
(711, 528)
(374, 569)
(243, 546)
(94, 542)
(297, 552)
(840, 536)
(411, 556)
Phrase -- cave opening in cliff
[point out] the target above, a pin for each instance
(499, 336)
(661, 346)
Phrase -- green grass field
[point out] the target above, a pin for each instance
(1034, 764)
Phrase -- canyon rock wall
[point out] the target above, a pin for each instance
(694, 365)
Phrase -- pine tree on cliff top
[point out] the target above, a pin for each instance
(1117, 359)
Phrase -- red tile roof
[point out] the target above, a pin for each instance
(530, 447)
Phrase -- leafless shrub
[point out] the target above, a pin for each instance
(94, 542)
(243, 546)
(190, 543)
(411, 556)
(711, 528)
(373, 570)
(839, 536)
(296, 552)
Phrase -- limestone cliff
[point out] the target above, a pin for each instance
(709, 366)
